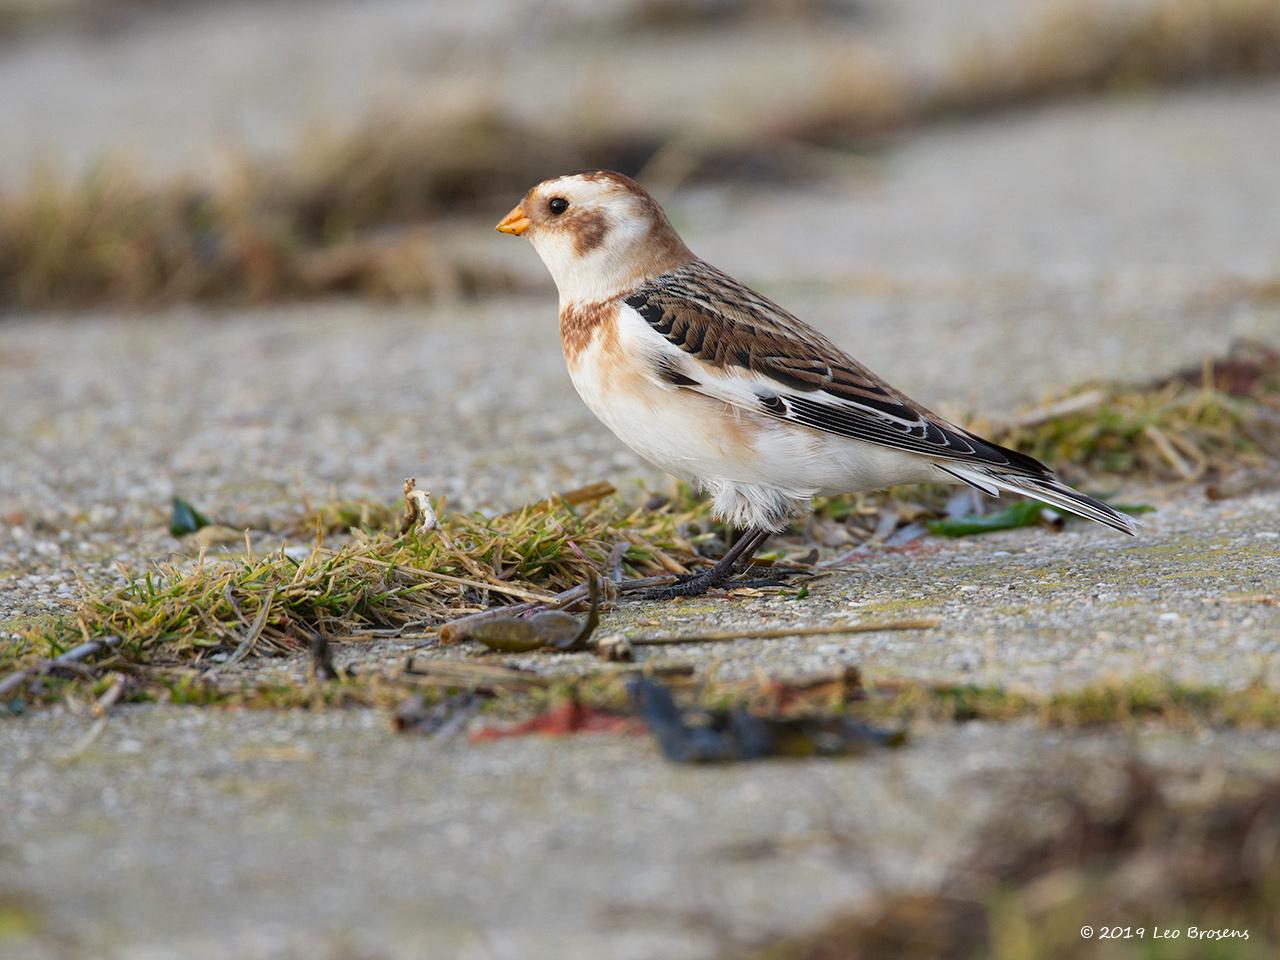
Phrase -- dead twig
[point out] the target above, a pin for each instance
(417, 509)
(1078, 403)
(322, 664)
(613, 566)
(773, 633)
(594, 589)
(1169, 452)
(82, 652)
(441, 721)
(112, 695)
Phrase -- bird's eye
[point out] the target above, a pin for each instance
(558, 205)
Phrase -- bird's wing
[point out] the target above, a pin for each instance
(723, 339)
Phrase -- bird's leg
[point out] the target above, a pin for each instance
(734, 560)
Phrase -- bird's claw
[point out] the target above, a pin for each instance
(696, 584)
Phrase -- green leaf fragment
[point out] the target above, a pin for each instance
(1025, 514)
(185, 519)
(1028, 513)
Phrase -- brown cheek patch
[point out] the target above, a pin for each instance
(589, 230)
(578, 324)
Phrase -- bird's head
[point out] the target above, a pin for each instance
(599, 234)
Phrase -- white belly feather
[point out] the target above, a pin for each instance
(758, 469)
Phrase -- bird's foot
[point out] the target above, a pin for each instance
(690, 585)
(696, 584)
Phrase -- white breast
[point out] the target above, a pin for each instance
(758, 468)
(676, 431)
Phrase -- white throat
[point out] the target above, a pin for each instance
(599, 274)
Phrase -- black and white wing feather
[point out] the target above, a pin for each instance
(737, 345)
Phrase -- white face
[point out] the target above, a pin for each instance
(597, 233)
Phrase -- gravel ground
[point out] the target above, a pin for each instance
(1055, 255)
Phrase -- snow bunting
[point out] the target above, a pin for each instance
(719, 385)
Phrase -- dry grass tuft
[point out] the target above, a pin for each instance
(403, 169)
(335, 216)
(1077, 48)
(376, 584)
(112, 239)
(379, 581)
(1218, 422)
(1090, 48)
(1221, 416)
(343, 214)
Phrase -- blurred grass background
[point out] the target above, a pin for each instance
(156, 206)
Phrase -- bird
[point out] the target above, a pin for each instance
(720, 386)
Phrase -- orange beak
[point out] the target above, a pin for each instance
(515, 223)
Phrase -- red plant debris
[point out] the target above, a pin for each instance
(567, 718)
